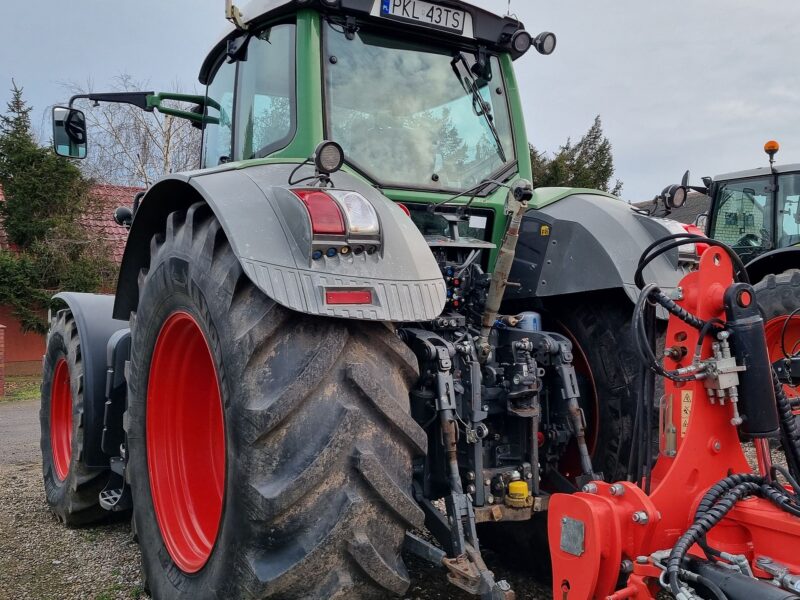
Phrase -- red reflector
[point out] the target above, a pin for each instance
(404, 208)
(326, 217)
(348, 297)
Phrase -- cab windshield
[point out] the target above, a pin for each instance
(413, 116)
(743, 218)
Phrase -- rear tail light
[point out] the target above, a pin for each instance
(325, 214)
(348, 297)
(360, 214)
(338, 212)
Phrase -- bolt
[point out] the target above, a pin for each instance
(470, 489)
(490, 499)
(617, 489)
(528, 476)
(717, 446)
(487, 482)
(642, 560)
(589, 488)
(640, 517)
(470, 476)
(485, 408)
(626, 566)
(564, 520)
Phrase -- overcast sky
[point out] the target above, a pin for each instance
(679, 84)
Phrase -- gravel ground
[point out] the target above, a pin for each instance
(42, 560)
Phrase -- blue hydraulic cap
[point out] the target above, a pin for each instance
(530, 321)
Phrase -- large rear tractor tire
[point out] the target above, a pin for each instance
(778, 296)
(599, 326)
(270, 452)
(72, 490)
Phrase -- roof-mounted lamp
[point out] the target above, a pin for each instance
(771, 148)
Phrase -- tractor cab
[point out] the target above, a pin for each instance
(756, 212)
(421, 97)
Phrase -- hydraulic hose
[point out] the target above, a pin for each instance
(702, 525)
(790, 433)
(715, 504)
(666, 244)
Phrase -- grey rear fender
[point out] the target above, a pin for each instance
(586, 242)
(270, 233)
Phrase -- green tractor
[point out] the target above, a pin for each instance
(757, 213)
(354, 321)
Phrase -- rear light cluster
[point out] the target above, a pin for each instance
(342, 222)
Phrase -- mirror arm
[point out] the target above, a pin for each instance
(150, 101)
(697, 188)
(137, 99)
(154, 103)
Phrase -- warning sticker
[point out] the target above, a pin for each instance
(544, 230)
(686, 410)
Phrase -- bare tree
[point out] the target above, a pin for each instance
(128, 146)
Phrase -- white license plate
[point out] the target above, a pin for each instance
(424, 13)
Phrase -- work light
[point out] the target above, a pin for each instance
(545, 43)
(328, 157)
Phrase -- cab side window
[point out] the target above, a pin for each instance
(265, 112)
(218, 130)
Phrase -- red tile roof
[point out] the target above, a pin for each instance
(98, 218)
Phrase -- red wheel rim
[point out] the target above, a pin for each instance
(61, 419)
(791, 337)
(185, 442)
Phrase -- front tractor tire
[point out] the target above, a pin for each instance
(270, 452)
(72, 489)
(778, 297)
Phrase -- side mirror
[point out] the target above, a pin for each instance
(707, 181)
(701, 221)
(69, 132)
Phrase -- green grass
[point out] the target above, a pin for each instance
(21, 387)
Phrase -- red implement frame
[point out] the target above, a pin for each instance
(595, 538)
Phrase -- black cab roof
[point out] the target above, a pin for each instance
(481, 27)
